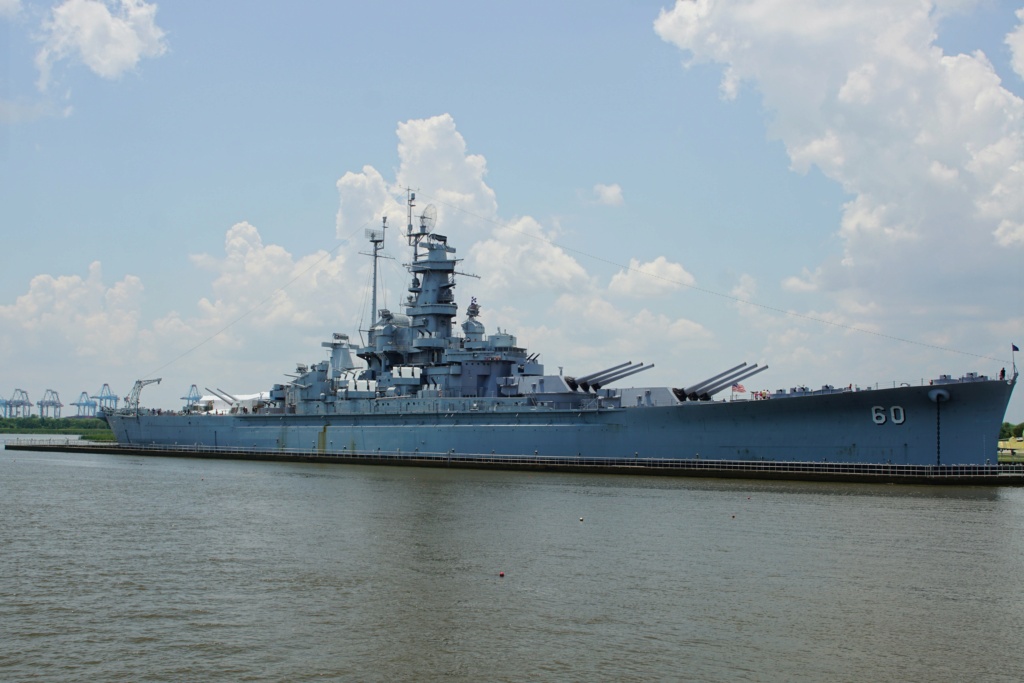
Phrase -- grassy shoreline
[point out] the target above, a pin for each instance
(86, 434)
(90, 429)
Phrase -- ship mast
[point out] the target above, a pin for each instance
(376, 238)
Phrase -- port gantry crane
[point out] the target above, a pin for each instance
(19, 405)
(106, 398)
(192, 399)
(50, 402)
(85, 405)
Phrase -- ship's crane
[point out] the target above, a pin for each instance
(131, 404)
(85, 405)
(50, 402)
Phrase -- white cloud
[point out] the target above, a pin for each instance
(69, 315)
(9, 8)
(364, 198)
(594, 328)
(805, 282)
(1015, 40)
(110, 39)
(21, 111)
(650, 279)
(521, 255)
(608, 195)
(929, 145)
(434, 161)
(267, 284)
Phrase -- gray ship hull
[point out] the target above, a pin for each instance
(421, 390)
(901, 426)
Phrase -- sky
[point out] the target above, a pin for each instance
(829, 187)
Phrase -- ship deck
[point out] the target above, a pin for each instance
(1001, 474)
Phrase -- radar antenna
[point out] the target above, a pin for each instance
(428, 219)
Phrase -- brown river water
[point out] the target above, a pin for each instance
(126, 568)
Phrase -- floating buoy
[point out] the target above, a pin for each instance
(581, 519)
(501, 574)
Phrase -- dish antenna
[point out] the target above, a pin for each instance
(428, 219)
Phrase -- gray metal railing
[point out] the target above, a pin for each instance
(882, 471)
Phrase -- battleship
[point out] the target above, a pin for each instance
(421, 390)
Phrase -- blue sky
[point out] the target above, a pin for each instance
(184, 187)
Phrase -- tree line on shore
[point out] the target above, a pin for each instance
(1010, 431)
(67, 425)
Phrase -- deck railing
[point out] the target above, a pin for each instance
(880, 470)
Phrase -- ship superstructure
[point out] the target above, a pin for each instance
(415, 356)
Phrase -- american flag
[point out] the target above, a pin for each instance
(739, 388)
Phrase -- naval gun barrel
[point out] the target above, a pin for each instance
(587, 380)
(226, 397)
(595, 375)
(724, 379)
(622, 374)
(732, 380)
(707, 391)
(224, 393)
(689, 391)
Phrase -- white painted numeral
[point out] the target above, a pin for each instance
(896, 414)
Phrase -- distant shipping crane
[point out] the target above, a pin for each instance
(193, 397)
(107, 399)
(50, 404)
(85, 405)
(19, 405)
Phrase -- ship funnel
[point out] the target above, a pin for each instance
(341, 354)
